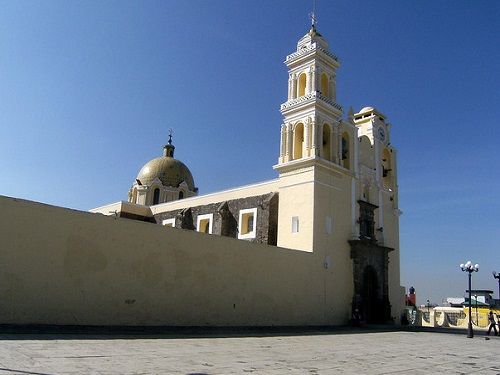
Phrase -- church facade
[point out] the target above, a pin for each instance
(335, 197)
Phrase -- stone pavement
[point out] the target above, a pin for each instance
(326, 352)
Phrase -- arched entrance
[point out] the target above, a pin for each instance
(370, 276)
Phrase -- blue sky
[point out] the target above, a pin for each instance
(88, 91)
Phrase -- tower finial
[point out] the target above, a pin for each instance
(168, 149)
(170, 133)
(312, 15)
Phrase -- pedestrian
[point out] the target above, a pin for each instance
(491, 319)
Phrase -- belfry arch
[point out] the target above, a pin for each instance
(346, 150)
(326, 151)
(298, 141)
(387, 168)
(325, 84)
(302, 81)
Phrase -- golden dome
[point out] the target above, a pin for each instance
(170, 171)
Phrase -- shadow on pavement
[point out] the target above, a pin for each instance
(55, 332)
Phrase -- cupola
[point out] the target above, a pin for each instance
(162, 179)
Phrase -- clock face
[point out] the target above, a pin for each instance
(381, 134)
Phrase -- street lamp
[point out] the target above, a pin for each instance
(469, 268)
(497, 276)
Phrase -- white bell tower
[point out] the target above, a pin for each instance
(316, 147)
(311, 116)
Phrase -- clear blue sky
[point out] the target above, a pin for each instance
(89, 89)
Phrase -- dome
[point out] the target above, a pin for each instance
(170, 171)
(366, 109)
(312, 36)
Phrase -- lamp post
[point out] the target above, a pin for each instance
(497, 276)
(469, 268)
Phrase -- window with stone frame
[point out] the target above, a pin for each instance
(247, 223)
(367, 220)
(204, 223)
(169, 222)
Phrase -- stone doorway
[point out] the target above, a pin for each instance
(370, 273)
(370, 296)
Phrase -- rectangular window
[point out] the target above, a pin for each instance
(204, 223)
(247, 223)
(169, 222)
(295, 224)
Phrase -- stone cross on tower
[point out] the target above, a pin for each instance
(170, 134)
(312, 15)
(168, 149)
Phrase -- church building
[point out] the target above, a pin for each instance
(335, 195)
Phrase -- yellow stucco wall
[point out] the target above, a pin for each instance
(391, 239)
(296, 199)
(333, 200)
(60, 266)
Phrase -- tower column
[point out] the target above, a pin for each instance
(335, 143)
(339, 146)
(332, 143)
(314, 143)
(294, 87)
(289, 142)
(309, 81)
(331, 91)
(307, 140)
(290, 86)
(314, 79)
(283, 143)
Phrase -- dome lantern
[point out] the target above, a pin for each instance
(169, 148)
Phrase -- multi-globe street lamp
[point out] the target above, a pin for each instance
(469, 268)
(497, 276)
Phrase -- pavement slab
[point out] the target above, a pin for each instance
(315, 353)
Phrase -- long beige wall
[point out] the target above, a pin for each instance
(60, 266)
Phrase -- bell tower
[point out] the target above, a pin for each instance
(311, 115)
(316, 145)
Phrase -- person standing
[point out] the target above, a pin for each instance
(491, 319)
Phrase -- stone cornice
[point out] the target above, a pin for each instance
(307, 163)
(307, 51)
(313, 97)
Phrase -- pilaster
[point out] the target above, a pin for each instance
(294, 86)
(314, 131)
(289, 143)
(307, 138)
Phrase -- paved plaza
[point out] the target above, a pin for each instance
(288, 353)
